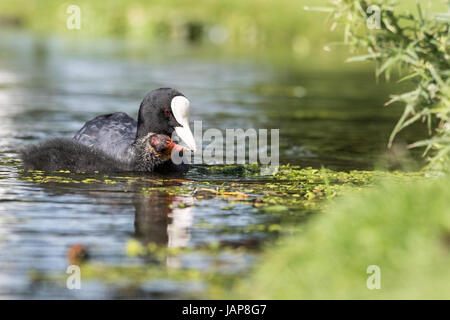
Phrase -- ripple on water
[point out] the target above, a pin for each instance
(49, 90)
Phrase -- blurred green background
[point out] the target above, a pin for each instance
(243, 64)
(267, 24)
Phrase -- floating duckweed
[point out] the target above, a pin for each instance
(291, 193)
(290, 189)
(275, 208)
(204, 225)
(134, 248)
(274, 227)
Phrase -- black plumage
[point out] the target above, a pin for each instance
(114, 142)
(64, 154)
(113, 134)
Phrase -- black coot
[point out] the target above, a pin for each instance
(116, 142)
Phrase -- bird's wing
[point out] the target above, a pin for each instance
(112, 133)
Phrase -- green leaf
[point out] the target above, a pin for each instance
(366, 57)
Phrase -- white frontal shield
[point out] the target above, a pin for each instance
(180, 109)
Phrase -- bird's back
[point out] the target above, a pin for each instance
(66, 154)
(111, 133)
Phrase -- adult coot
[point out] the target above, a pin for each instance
(116, 142)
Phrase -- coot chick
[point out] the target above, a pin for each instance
(144, 154)
(162, 111)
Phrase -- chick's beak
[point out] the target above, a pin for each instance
(173, 147)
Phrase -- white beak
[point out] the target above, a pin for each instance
(180, 109)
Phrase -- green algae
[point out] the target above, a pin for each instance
(9, 162)
(286, 198)
(291, 188)
(294, 187)
(136, 274)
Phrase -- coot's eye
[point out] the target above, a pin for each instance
(166, 112)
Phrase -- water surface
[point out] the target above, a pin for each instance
(50, 86)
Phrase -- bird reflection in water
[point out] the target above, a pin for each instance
(160, 219)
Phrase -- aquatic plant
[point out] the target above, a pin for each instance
(414, 44)
(292, 189)
(281, 201)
